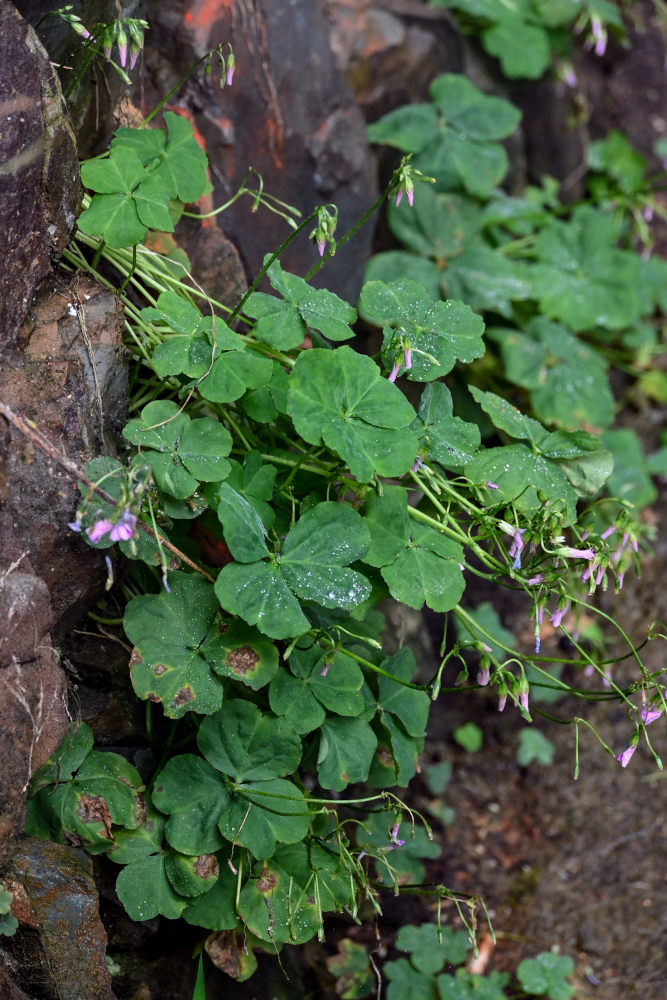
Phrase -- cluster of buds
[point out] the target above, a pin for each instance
(128, 35)
(326, 227)
(402, 182)
(403, 357)
(74, 22)
(225, 63)
(648, 715)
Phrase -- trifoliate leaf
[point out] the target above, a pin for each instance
(345, 752)
(247, 745)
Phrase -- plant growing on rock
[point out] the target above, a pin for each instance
(323, 490)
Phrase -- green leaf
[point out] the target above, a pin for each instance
(121, 171)
(507, 418)
(437, 225)
(545, 975)
(216, 910)
(146, 143)
(264, 813)
(470, 737)
(352, 971)
(152, 204)
(192, 827)
(182, 165)
(114, 218)
(66, 759)
(316, 550)
(395, 264)
(132, 844)
(234, 372)
(292, 697)
(339, 397)
(519, 474)
(278, 323)
(409, 128)
(242, 526)
(487, 281)
(439, 333)
(523, 49)
(411, 707)
(615, 156)
(451, 442)
(427, 571)
(581, 278)
(345, 752)
(247, 745)
(473, 113)
(468, 986)
(168, 631)
(430, 947)
(202, 448)
(534, 746)
(145, 891)
(405, 983)
(258, 593)
(386, 517)
(630, 479)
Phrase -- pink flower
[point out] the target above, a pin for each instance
(394, 836)
(411, 196)
(534, 580)
(516, 546)
(97, 530)
(229, 76)
(123, 529)
(394, 372)
(483, 676)
(650, 715)
(625, 757)
(399, 196)
(491, 486)
(407, 360)
(321, 246)
(559, 614)
(523, 700)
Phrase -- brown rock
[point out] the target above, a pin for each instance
(69, 376)
(289, 114)
(59, 883)
(40, 191)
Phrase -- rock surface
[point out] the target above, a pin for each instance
(68, 945)
(40, 190)
(68, 374)
(289, 114)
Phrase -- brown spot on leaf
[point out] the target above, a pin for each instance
(344, 776)
(384, 756)
(242, 660)
(159, 669)
(206, 866)
(135, 658)
(93, 809)
(225, 952)
(183, 696)
(266, 882)
(139, 810)
(152, 696)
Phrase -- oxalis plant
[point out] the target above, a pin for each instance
(278, 486)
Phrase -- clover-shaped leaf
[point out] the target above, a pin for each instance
(507, 418)
(410, 706)
(330, 681)
(546, 975)
(233, 373)
(450, 441)
(247, 745)
(169, 632)
(102, 793)
(438, 333)
(431, 946)
(386, 516)
(345, 751)
(426, 571)
(181, 452)
(181, 163)
(339, 397)
(518, 473)
(262, 814)
(216, 910)
(145, 890)
(192, 826)
(313, 565)
(581, 278)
